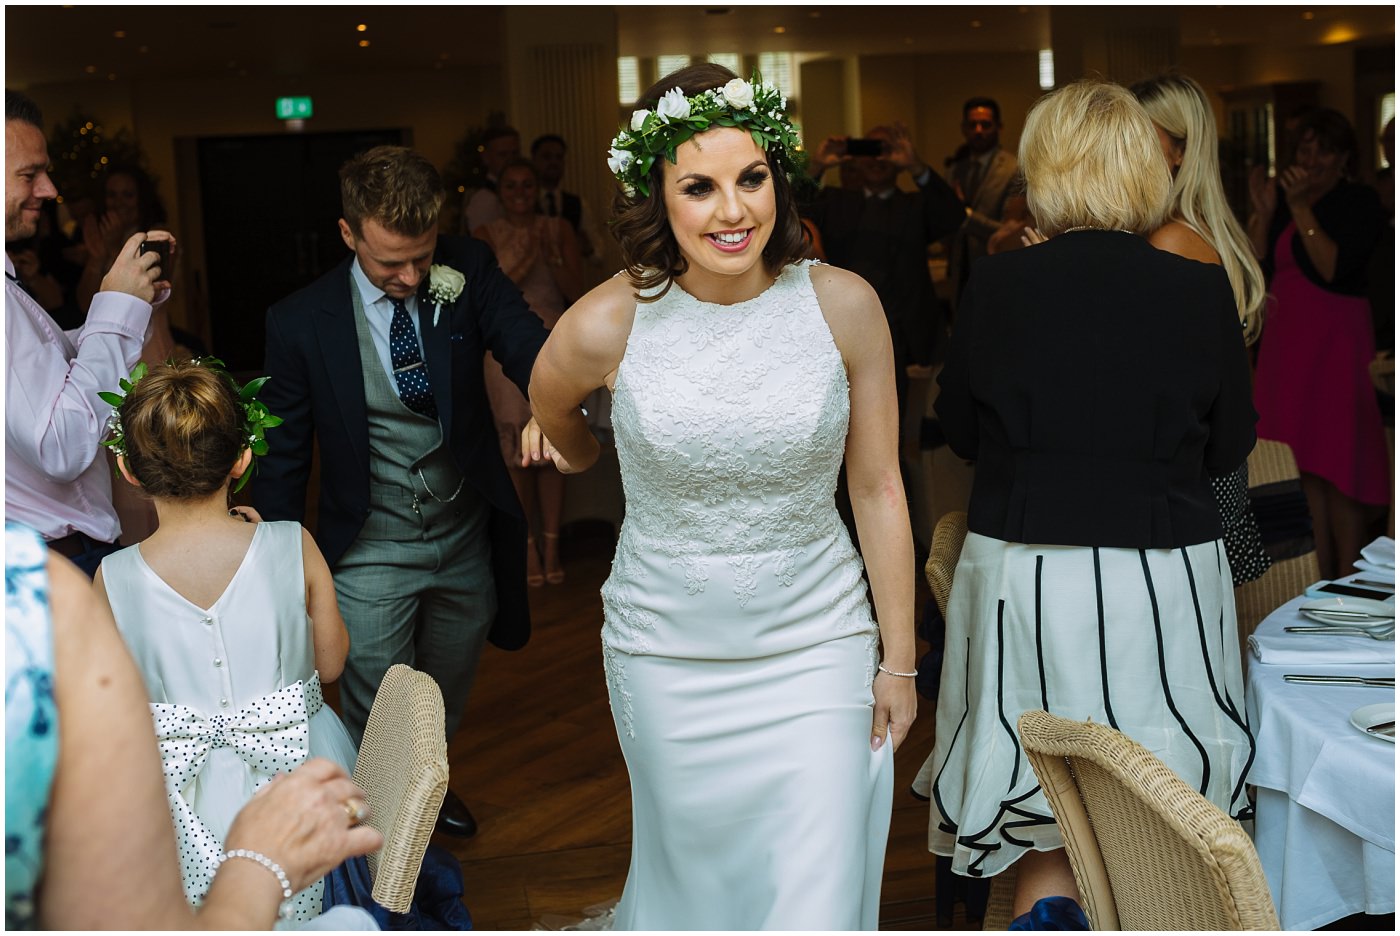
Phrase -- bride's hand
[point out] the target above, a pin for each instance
(896, 705)
(535, 449)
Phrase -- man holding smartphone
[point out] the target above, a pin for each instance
(882, 234)
(55, 481)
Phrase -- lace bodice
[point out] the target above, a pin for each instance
(731, 426)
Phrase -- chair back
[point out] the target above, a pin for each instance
(1272, 463)
(1148, 851)
(402, 767)
(943, 555)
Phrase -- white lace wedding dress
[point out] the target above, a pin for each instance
(737, 636)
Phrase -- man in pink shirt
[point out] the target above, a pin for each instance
(54, 421)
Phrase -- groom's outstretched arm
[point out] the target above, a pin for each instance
(279, 487)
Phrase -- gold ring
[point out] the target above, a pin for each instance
(356, 810)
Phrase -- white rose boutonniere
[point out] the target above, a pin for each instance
(444, 285)
(738, 93)
(673, 106)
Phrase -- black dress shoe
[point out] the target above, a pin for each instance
(455, 818)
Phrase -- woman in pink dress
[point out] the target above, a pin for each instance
(540, 255)
(1312, 385)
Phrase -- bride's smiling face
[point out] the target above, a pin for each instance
(720, 204)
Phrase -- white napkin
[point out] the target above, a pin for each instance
(1281, 647)
(1381, 552)
(1372, 571)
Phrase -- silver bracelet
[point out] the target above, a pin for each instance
(284, 909)
(890, 672)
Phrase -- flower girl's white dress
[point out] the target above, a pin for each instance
(233, 690)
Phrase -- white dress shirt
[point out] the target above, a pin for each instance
(379, 311)
(54, 420)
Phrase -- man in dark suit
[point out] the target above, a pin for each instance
(883, 233)
(379, 363)
(983, 175)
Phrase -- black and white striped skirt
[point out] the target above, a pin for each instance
(1142, 640)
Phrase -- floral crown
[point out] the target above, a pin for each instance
(748, 105)
(256, 418)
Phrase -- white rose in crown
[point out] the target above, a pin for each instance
(738, 93)
(444, 285)
(673, 106)
(639, 119)
(619, 160)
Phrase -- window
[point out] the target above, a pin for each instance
(665, 64)
(629, 84)
(729, 60)
(1047, 69)
(776, 69)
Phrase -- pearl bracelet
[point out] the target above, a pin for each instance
(890, 672)
(284, 910)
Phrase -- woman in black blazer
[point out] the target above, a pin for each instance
(1098, 383)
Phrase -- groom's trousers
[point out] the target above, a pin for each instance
(424, 597)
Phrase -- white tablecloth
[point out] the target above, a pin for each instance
(1325, 822)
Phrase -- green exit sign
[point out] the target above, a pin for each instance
(293, 108)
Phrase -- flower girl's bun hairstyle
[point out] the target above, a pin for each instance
(649, 249)
(184, 429)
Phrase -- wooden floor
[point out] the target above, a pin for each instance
(538, 763)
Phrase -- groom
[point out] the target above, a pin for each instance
(380, 363)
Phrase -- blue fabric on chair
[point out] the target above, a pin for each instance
(437, 897)
(1052, 913)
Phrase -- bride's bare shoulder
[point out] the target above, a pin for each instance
(602, 319)
(847, 301)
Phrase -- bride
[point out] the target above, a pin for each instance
(743, 665)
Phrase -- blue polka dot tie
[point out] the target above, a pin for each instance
(410, 373)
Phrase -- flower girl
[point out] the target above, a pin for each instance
(233, 624)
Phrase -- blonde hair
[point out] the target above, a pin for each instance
(1179, 106)
(1091, 158)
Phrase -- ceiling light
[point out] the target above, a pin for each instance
(780, 29)
(1308, 15)
(361, 28)
(975, 24)
(119, 34)
(364, 43)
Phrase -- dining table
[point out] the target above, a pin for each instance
(1324, 822)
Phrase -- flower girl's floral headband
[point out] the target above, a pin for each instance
(749, 105)
(256, 418)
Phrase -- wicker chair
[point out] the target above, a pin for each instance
(1269, 463)
(402, 768)
(1148, 852)
(948, 538)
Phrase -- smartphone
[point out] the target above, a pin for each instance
(864, 146)
(1326, 589)
(161, 248)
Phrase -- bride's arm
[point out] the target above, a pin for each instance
(857, 322)
(582, 354)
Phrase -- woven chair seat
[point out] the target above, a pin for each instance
(1148, 851)
(402, 767)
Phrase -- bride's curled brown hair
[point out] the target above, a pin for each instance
(184, 428)
(649, 249)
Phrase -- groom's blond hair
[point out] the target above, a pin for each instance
(394, 186)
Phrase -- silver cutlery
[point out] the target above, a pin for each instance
(1350, 615)
(1379, 633)
(1387, 586)
(1384, 728)
(1387, 682)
